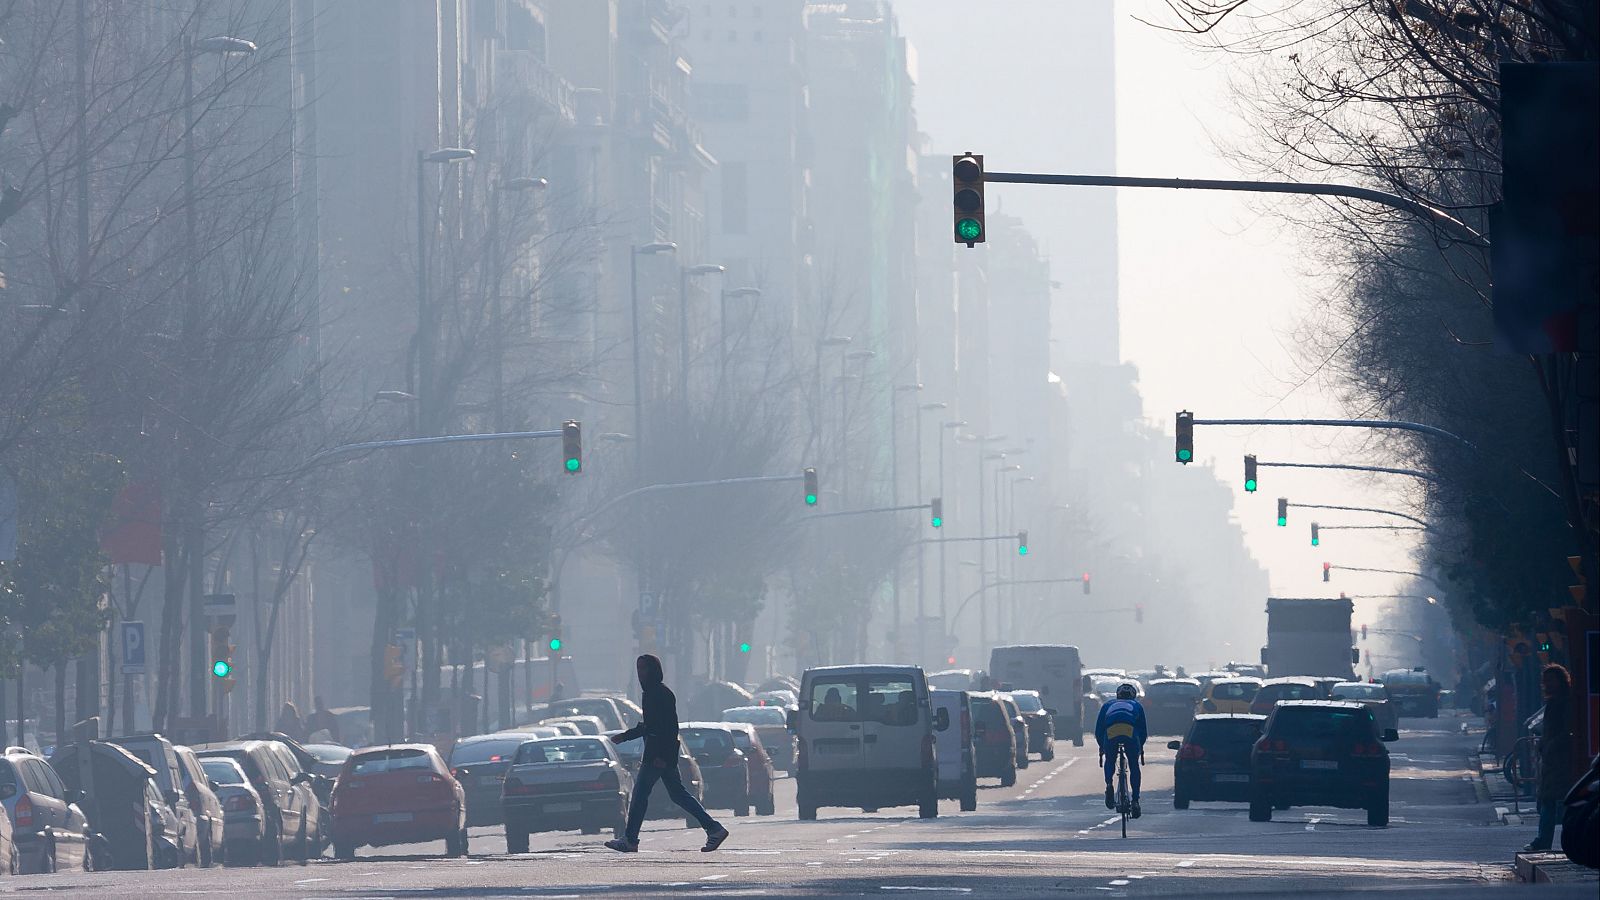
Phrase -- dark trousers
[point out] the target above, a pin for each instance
(649, 774)
(1133, 763)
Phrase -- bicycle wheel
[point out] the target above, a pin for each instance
(1124, 802)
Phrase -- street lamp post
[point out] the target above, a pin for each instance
(497, 265)
(922, 567)
(722, 324)
(634, 252)
(684, 274)
(983, 555)
(945, 428)
(999, 600)
(817, 409)
(844, 416)
(894, 497)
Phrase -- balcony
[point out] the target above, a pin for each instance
(520, 77)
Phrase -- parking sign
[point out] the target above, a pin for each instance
(133, 648)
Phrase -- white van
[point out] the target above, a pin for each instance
(1055, 671)
(958, 762)
(866, 739)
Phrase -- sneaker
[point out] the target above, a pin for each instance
(1536, 847)
(1135, 811)
(1111, 798)
(714, 840)
(623, 845)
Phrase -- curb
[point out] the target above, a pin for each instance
(1552, 868)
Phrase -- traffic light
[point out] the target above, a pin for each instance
(394, 671)
(1326, 567)
(555, 634)
(221, 652)
(936, 512)
(1250, 473)
(1363, 631)
(1315, 539)
(966, 182)
(1138, 613)
(1086, 582)
(744, 646)
(1185, 437)
(572, 446)
(1283, 511)
(811, 486)
(1022, 543)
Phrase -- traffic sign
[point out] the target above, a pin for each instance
(133, 648)
(649, 605)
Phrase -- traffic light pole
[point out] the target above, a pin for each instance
(1423, 211)
(1347, 423)
(1002, 582)
(863, 512)
(347, 449)
(1385, 572)
(1365, 509)
(1388, 470)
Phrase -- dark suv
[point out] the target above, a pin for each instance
(994, 738)
(1214, 759)
(1321, 753)
(1041, 723)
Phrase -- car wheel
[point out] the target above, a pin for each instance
(969, 794)
(1260, 809)
(767, 806)
(742, 808)
(928, 808)
(1077, 740)
(1022, 761)
(808, 810)
(47, 860)
(516, 841)
(1378, 812)
(271, 848)
(1048, 754)
(302, 843)
(1009, 777)
(344, 851)
(1179, 801)
(204, 851)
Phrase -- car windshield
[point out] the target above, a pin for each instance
(1028, 703)
(484, 751)
(1291, 692)
(741, 739)
(1225, 732)
(560, 751)
(755, 715)
(1359, 692)
(1176, 690)
(1409, 679)
(1233, 690)
(222, 771)
(707, 741)
(328, 753)
(1107, 685)
(378, 761)
(1321, 722)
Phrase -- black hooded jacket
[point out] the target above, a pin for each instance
(659, 728)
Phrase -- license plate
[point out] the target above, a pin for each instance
(382, 818)
(1319, 764)
(1231, 778)
(562, 807)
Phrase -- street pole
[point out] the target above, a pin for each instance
(638, 382)
(922, 567)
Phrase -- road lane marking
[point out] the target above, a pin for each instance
(714, 877)
(1119, 882)
(1186, 863)
(310, 880)
(918, 887)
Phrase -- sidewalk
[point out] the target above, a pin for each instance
(1552, 868)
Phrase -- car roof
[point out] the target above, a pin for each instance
(722, 726)
(862, 669)
(380, 748)
(1361, 683)
(1303, 680)
(1238, 679)
(1320, 704)
(496, 736)
(1192, 681)
(1023, 691)
(1215, 717)
(567, 738)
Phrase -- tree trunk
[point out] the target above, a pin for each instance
(171, 628)
(5, 726)
(22, 705)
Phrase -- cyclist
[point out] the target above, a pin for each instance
(1122, 722)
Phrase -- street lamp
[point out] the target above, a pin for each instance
(651, 249)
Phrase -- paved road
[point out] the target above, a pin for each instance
(1050, 835)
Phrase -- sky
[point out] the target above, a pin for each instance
(1212, 285)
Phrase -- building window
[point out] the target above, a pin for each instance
(735, 199)
(722, 101)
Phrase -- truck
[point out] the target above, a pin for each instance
(1055, 671)
(1309, 636)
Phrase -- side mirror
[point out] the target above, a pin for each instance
(1173, 745)
(1088, 684)
(1051, 711)
(302, 778)
(941, 720)
(173, 798)
(1389, 734)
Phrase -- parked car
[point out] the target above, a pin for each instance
(688, 772)
(727, 775)
(603, 708)
(125, 808)
(157, 752)
(772, 727)
(301, 760)
(1229, 695)
(206, 805)
(328, 759)
(1019, 727)
(993, 738)
(762, 775)
(47, 830)
(561, 784)
(291, 813)
(1214, 759)
(8, 848)
(586, 725)
(241, 809)
(1374, 696)
(1275, 689)
(1321, 753)
(1325, 683)
(480, 763)
(1041, 724)
(397, 794)
(957, 757)
(1169, 704)
(1413, 691)
(866, 739)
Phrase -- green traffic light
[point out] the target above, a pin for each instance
(1250, 485)
(969, 229)
(1315, 542)
(1185, 455)
(555, 643)
(744, 648)
(1282, 521)
(811, 499)
(938, 522)
(1022, 550)
(574, 464)
(221, 668)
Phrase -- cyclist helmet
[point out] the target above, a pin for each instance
(1126, 691)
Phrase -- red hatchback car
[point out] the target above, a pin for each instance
(397, 794)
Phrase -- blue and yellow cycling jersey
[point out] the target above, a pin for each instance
(1121, 720)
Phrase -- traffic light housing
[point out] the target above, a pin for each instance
(221, 652)
(1022, 543)
(1326, 568)
(811, 486)
(1316, 539)
(1185, 443)
(394, 670)
(555, 634)
(1138, 613)
(966, 183)
(1250, 473)
(936, 512)
(572, 446)
(1283, 511)
(1086, 582)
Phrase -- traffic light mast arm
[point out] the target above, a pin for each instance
(1432, 214)
(862, 512)
(1389, 470)
(347, 449)
(1374, 528)
(1365, 509)
(987, 537)
(1347, 423)
(1384, 571)
(1002, 583)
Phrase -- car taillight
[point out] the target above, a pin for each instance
(242, 803)
(23, 813)
(1367, 750)
(430, 778)
(1191, 751)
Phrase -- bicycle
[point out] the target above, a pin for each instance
(1124, 796)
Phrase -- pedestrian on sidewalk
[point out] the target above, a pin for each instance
(1555, 755)
(659, 762)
